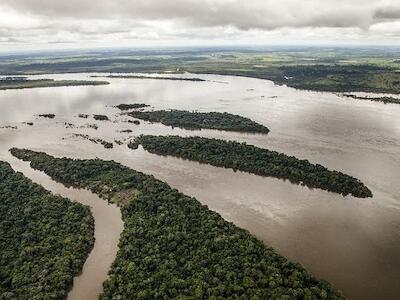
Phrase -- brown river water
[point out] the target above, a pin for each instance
(353, 243)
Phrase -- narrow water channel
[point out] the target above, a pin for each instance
(108, 227)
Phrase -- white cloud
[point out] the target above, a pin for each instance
(107, 22)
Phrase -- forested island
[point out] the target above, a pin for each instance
(152, 77)
(200, 120)
(101, 118)
(47, 116)
(9, 83)
(173, 247)
(131, 106)
(248, 158)
(44, 239)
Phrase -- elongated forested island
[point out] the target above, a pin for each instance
(131, 106)
(248, 158)
(172, 247)
(44, 239)
(201, 120)
(152, 77)
(13, 83)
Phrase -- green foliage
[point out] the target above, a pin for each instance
(44, 239)
(197, 120)
(334, 69)
(172, 247)
(342, 78)
(248, 158)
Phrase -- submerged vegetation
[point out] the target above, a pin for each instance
(198, 120)
(131, 106)
(173, 247)
(248, 158)
(377, 99)
(9, 83)
(105, 144)
(44, 239)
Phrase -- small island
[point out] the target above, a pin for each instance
(101, 118)
(131, 106)
(47, 116)
(201, 120)
(13, 83)
(248, 158)
(173, 241)
(44, 239)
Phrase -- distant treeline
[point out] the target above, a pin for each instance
(201, 120)
(24, 83)
(44, 239)
(377, 99)
(248, 158)
(152, 77)
(172, 247)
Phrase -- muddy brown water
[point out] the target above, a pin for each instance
(108, 227)
(353, 243)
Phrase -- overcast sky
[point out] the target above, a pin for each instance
(41, 24)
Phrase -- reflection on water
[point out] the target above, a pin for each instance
(353, 243)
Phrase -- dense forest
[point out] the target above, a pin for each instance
(44, 239)
(198, 120)
(172, 247)
(12, 83)
(248, 158)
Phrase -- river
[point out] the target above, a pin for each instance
(353, 243)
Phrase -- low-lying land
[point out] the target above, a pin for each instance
(131, 106)
(152, 77)
(248, 158)
(198, 120)
(24, 83)
(172, 247)
(334, 69)
(44, 239)
(377, 99)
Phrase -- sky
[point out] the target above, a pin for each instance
(53, 24)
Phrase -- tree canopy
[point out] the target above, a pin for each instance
(173, 247)
(44, 239)
(199, 120)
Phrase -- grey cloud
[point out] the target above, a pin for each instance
(54, 21)
(245, 15)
